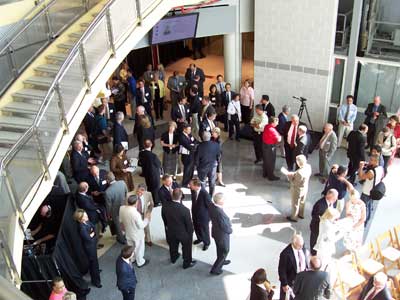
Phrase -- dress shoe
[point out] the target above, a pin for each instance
(191, 264)
(98, 285)
(226, 262)
(221, 184)
(205, 247)
(274, 178)
(122, 242)
(175, 259)
(301, 217)
(216, 272)
(99, 246)
(231, 138)
(256, 161)
(291, 220)
(150, 244)
(146, 262)
(196, 242)
(317, 174)
(131, 118)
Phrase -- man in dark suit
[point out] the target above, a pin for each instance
(143, 97)
(208, 154)
(120, 135)
(302, 142)
(208, 124)
(292, 260)
(221, 229)
(126, 277)
(165, 191)
(79, 162)
(312, 284)
(180, 113)
(187, 150)
(97, 182)
(267, 106)
(319, 208)
(89, 123)
(151, 167)
(290, 132)
(227, 96)
(376, 288)
(195, 75)
(374, 112)
(356, 150)
(201, 201)
(178, 229)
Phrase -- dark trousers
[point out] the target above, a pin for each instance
(211, 174)
(128, 294)
(246, 113)
(154, 194)
(159, 107)
(282, 294)
(314, 232)
(289, 156)
(386, 160)
(269, 155)
(354, 163)
(202, 230)
(370, 135)
(120, 106)
(174, 242)
(368, 205)
(226, 121)
(188, 169)
(93, 264)
(222, 253)
(234, 123)
(257, 142)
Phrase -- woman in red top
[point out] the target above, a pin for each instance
(394, 126)
(271, 138)
(58, 289)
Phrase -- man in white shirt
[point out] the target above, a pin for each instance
(234, 117)
(220, 84)
(133, 225)
(145, 206)
(327, 147)
(258, 123)
(347, 116)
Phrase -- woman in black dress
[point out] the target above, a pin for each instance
(145, 131)
(215, 137)
(260, 286)
(213, 95)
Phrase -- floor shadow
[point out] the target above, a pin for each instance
(250, 220)
(280, 235)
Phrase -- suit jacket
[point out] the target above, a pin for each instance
(143, 99)
(299, 181)
(200, 206)
(100, 186)
(204, 126)
(115, 196)
(269, 109)
(382, 295)
(151, 167)
(177, 221)
(312, 285)
(369, 112)
(221, 225)
(133, 222)
(282, 122)
(195, 104)
(225, 100)
(356, 146)
(164, 195)
(258, 293)
(330, 145)
(89, 123)
(318, 210)
(126, 277)
(187, 142)
(177, 114)
(165, 139)
(301, 146)
(208, 154)
(176, 84)
(79, 164)
(120, 134)
(88, 235)
(189, 76)
(148, 202)
(286, 129)
(287, 267)
(87, 204)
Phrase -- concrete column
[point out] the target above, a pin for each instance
(351, 66)
(232, 60)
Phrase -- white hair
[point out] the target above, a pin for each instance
(303, 128)
(381, 278)
(119, 116)
(301, 160)
(218, 197)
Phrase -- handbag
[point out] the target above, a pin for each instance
(379, 190)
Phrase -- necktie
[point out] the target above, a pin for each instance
(229, 97)
(300, 256)
(293, 137)
(346, 116)
(371, 295)
(221, 88)
(139, 206)
(98, 180)
(183, 111)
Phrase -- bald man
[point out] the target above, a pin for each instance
(327, 147)
(313, 283)
(292, 260)
(375, 111)
(376, 288)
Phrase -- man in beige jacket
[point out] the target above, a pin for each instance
(299, 187)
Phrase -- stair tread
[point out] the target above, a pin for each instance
(12, 120)
(22, 107)
(9, 136)
(66, 45)
(39, 79)
(30, 93)
(76, 35)
(49, 67)
(57, 56)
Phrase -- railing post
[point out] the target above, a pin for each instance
(11, 61)
(139, 11)
(49, 26)
(84, 66)
(9, 259)
(86, 5)
(61, 107)
(13, 196)
(42, 154)
(110, 31)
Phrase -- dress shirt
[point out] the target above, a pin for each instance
(229, 96)
(299, 256)
(352, 113)
(372, 293)
(170, 139)
(127, 261)
(270, 135)
(261, 121)
(183, 112)
(211, 123)
(234, 108)
(220, 87)
(247, 96)
(292, 130)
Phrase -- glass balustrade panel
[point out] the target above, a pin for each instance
(123, 15)
(6, 74)
(64, 12)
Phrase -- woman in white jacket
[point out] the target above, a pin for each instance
(234, 116)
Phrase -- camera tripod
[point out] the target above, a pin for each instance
(302, 108)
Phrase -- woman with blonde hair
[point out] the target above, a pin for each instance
(169, 142)
(356, 211)
(161, 72)
(329, 234)
(157, 89)
(215, 137)
(145, 131)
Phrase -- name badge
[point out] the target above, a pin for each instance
(104, 182)
(200, 98)
(151, 75)
(192, 138)
(147, 94)
(125, 162)
(86, 148)
(180, 83)
(92, 234)
(111, 111)
(156, 88)
(208, 128)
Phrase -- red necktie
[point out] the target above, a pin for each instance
(293, 137)
(371, 296)
(139, 206)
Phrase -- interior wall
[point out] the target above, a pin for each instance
(294, 46)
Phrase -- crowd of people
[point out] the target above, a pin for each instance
(193, 136)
